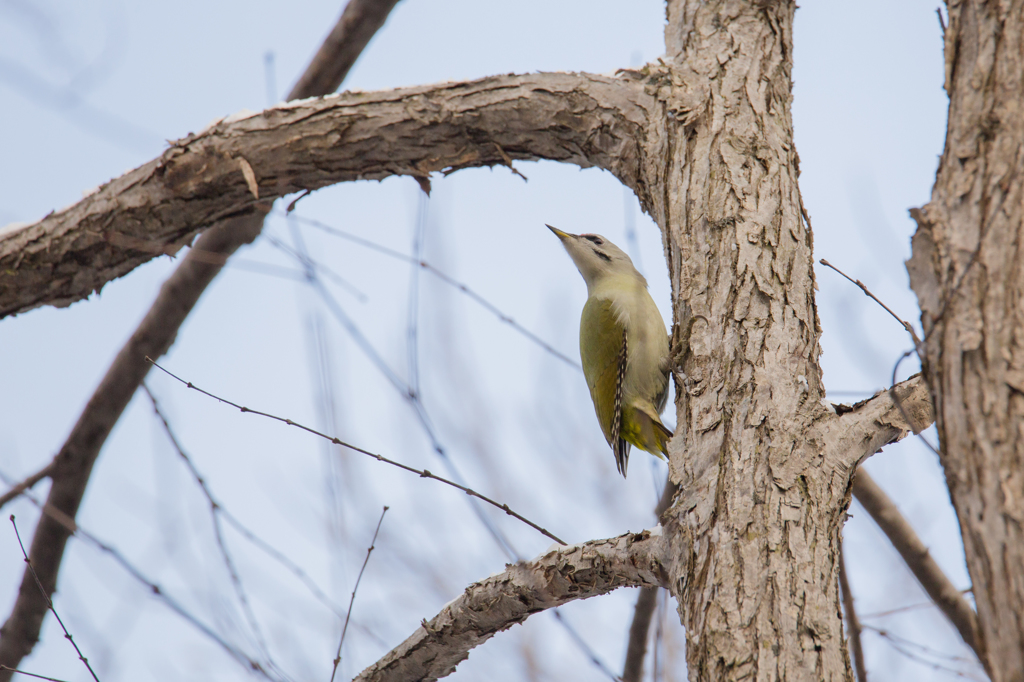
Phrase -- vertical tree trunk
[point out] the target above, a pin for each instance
(758, 592)
(967, 269)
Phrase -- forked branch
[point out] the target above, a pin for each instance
(871, 424)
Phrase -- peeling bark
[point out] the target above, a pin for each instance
(759, 593)
(490, 606)
(967, 270)
(222, 171)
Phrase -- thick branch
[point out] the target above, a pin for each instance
(499, 602)
(915, 553)
(576, 118)
(876, 422)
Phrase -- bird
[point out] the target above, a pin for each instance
(624, 347)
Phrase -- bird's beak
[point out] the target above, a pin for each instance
(558, 233)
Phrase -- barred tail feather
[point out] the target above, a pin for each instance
(621, 450)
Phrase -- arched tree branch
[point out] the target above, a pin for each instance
(224, 170)
(487, 607)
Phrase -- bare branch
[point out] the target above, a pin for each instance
(575, 118)
(852, 622)
(115, 251)
(49, 602)
(358, 23)
(867, 292)
(352, 600)
(914, 552)
(636, 646)
(864, 429)
(27, 484)
(499, 602)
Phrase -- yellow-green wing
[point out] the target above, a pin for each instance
(601, 340)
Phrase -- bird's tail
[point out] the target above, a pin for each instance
(643, 429)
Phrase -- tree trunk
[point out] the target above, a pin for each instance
(758, 594)
(967, 269)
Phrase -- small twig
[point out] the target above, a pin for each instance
(22, 672)
(30, 482)
(918, 348)
(904, 645)
(909, 607)
(942, 21)
(352, 599)
(49, 602)
(867, 292)
(302, 195)
(229, 564)
(76, 530)
(852, 622)
(307, 262)
(915, 554)
(422, 473)
(585, 648)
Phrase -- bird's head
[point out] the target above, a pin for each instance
(595, 257)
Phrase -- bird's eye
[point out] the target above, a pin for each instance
(592, 237)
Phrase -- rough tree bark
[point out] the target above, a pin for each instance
(967, 269)
(750, 546)
(758, 594)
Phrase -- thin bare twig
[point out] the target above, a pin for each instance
(906, 647)
(352, 599)
(26, 484)
(229, 564)
(422, 473)
(74, 529)
(582, 645)
(852, 622)
(405, 390)
(867, 292)
(915, 554)
(38, 677)
(49, 602)
(918, 347)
